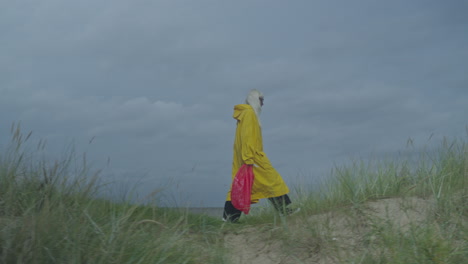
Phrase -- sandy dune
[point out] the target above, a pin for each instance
(325, 238)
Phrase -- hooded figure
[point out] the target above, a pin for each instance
(248, 149)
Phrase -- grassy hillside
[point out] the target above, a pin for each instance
(404, 211)
(48, 215)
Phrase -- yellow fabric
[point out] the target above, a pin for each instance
(248, 149)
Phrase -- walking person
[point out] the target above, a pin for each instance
(248, 150)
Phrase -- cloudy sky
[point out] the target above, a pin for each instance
(152, 84)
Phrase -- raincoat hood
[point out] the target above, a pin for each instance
(240, 110)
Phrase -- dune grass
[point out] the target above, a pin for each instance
(400, 211)
(49, 214)
(391, 211)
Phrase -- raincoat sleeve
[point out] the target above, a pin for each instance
(249, 132)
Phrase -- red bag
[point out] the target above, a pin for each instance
(242, 188)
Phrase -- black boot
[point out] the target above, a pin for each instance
(280, 203)
(231, 214)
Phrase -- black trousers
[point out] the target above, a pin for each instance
(232, 214)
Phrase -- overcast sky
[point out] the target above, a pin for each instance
(153, 83)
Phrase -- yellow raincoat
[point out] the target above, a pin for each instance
(248, 149)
